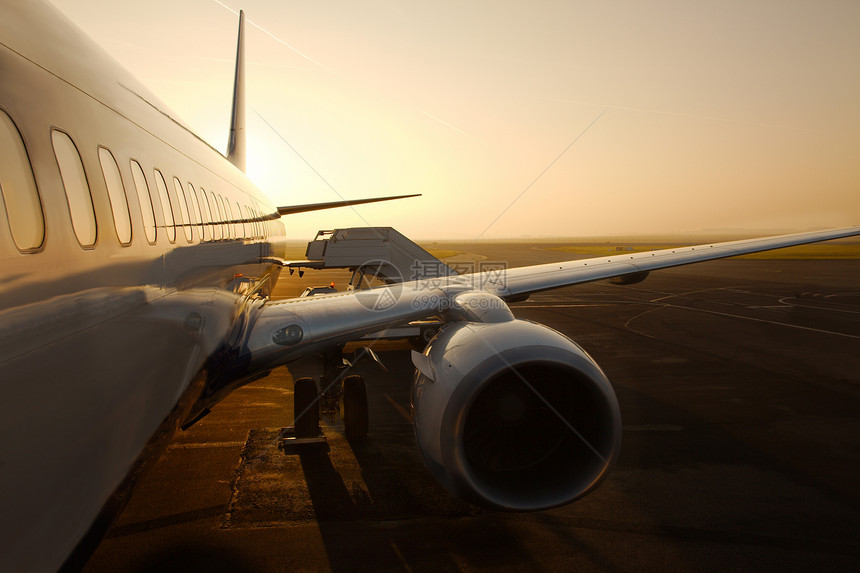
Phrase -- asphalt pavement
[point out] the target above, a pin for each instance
(739, 387)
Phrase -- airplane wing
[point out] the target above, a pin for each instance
(524, 280)
(292, 328)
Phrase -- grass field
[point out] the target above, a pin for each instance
(826, 251)
(840, 250)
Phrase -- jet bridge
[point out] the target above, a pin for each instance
(381, 253)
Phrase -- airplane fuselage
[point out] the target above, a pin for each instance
(112, 299)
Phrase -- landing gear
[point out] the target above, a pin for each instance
(305, 433)
(346, 391)
(336, 395)
(355, 416)
(335, 368)
(306, 408)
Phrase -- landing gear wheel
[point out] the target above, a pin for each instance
(355, 416)
(306, 408)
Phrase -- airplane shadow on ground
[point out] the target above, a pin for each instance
(391, 509)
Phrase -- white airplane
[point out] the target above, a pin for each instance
(138, 264)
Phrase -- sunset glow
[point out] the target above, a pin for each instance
(729, 115)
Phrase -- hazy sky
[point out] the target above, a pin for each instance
(578, 117)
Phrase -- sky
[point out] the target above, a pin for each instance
(541, 119)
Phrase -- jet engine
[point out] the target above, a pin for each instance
(513, 415)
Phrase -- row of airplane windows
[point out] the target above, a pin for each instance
(200, 214)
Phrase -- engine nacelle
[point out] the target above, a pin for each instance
(513, 415)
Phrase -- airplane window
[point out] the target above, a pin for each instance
(231, 227)
(240, 227)
(116, 194)
(213, 206)
(216, 217)
(225, 216)
(183, 209)
(258, 223)
(77, 188)
(252, 225)
(254, 222)
(196, 214)
(205, 213)
(249, 224)
(213, 215)
(18, 189)
(166, 205)
(146, 210)
(225, 232)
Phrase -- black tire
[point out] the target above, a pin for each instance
(306, 408)
(355, 417)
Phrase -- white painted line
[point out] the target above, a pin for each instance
(809, 328)
(665, 305)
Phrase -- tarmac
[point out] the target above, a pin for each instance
(739, 387)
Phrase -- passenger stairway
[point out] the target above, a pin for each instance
(371, 252)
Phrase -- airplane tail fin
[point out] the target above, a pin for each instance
(236, 143)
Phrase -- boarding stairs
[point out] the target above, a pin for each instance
(371, 252)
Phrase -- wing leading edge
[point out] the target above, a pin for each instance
(525, 280)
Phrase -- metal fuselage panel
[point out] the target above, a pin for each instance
(98, 344)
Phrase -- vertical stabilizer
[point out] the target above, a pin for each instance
(236, 144)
